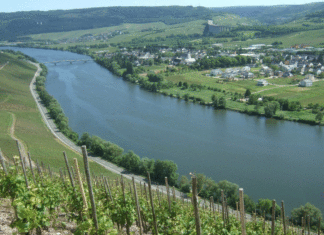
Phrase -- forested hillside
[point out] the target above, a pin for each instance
(273, 14)
(17, 24)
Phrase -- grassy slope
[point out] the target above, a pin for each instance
(30, 128)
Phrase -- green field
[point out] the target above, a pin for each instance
(16, 100)
(232, 20)
(286, 88)
(312, 38)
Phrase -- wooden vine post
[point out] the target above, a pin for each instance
(22, 163)
(3, 163)
(152, 204)
(195, 204)
(283, 217)
(62, 176)
(273, 217)
(77, 171)
(168, 192)
(68, 169)
(31, 167)
(39, 171)
(15, 163)
(137, 207)
(242, 212)
(174, 194)
(223, 207)
(108, 188)
(319, 226)
(123, 189)
(87, 171)
(210, 203)
(308, 224)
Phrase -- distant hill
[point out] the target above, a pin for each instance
(17, 24)
(273, 14)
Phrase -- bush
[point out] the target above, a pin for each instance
(307, 210)
(270, 108)
(152, 77)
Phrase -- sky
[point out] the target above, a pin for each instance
(45, 5)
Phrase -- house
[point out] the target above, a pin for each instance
(262, 82)
(306, 83)
(216, 72)
(278, 73)
(266, 71)
(310, 77)
(245, 69)
(287, 74)
(187, 58)
(228, 76)
(247, 75)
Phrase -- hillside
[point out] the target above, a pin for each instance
(273, 14)
(35, 22)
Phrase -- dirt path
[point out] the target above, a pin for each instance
(4, 65)
(21, 143)
(276, 86)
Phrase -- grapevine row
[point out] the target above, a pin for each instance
(98, 205)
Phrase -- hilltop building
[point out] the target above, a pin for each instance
(216, 29)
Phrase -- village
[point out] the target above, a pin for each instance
(267, 62)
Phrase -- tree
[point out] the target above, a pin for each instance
(150, 62)
(155, 77)
(164, 169)
(129, 68)
(130, 161)
(319, 117)
(307, 210)
(146, 165)
(249, 204)
(222, 103)
(184, 184)
(265, 205)
(219, 103)
(270, 108)
(230, 191)
(247, 93)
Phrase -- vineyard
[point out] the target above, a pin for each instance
(97, 205)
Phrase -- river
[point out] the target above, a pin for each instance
(268, 158)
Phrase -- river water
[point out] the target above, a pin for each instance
(268, 158)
